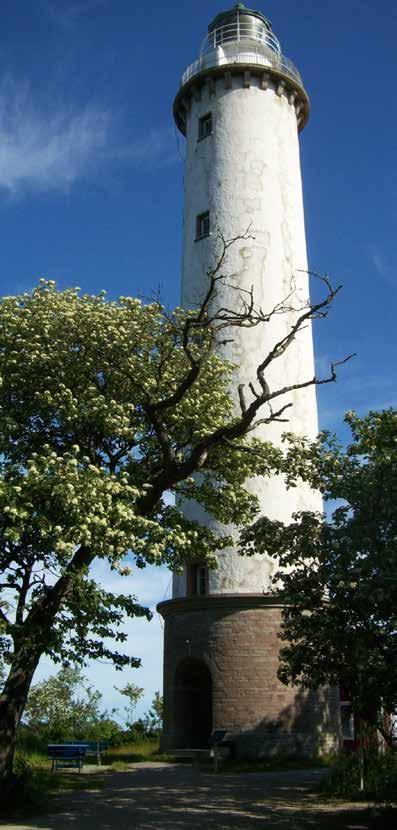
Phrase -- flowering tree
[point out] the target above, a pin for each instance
(339, 571)
(65, 706)
(104, 408)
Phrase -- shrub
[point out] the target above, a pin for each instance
(380, 777)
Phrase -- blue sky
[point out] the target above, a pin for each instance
(91, 176)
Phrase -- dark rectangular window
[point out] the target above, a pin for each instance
(196, 580)
(202, 579)
(191, 580)
(203, 225)
(347, 721)
(205, 126)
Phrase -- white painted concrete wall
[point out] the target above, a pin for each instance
(248, 173)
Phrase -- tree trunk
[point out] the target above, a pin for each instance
(12, 704)
(29, 644)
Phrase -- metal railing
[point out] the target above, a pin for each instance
(243, 53)
(239, 31)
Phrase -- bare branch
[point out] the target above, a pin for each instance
(208, 321)
(338, 363)
(252, 387)
(264, 385)
(202, 321)
(243, 404)
(314, 381)
(274, 417)
(211, 321)
(312, 312)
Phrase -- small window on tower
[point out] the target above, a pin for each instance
(202, 580)
(196, 580)
(203, 225)
(205, 126)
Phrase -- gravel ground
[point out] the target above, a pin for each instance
(178, 797)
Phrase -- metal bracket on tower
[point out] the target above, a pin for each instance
(228, 80)
(247, 79)
(265, 79)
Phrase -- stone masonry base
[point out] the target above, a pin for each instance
(224, 648)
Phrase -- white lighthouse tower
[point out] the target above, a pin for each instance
(241, 105)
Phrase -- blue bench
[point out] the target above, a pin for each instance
(66, 755)
(92, 748)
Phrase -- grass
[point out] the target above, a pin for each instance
(45, 782)
(277, 763)
(38, 783)
(36, 768)
(145, 750)
(120, 757)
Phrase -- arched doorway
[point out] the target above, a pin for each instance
(193, 703)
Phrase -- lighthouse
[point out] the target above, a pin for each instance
(241, 106)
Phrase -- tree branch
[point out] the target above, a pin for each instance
(203, 323)
(161, 435)
(23, 592)
(243, 403)
(4, 618)
(313, 312)
(247, 422)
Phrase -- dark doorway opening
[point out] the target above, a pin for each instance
(193, 704)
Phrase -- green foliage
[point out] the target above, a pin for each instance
(104, 406)
(339, 573)
(36, 783)
(133, 693)
(154, 717)
(65, 706)
(380, 777)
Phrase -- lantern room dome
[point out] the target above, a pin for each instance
(238, 10)
(239, 25)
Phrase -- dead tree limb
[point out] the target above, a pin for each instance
(199, 337)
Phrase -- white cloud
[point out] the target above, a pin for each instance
(50, 148)
(46, 149)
